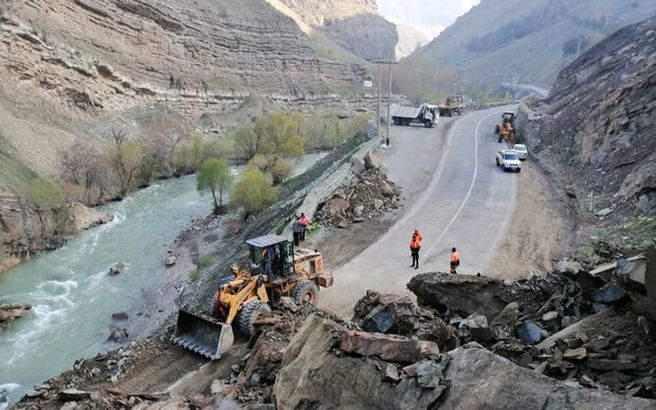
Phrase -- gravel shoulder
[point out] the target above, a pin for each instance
(540, 229)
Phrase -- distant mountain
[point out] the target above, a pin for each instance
(502, 40)
(414, 36)
(338, 26)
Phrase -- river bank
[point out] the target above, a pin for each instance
(73, 297)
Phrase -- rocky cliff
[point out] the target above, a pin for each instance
(499, 40)
(353, 25)
(596, 130)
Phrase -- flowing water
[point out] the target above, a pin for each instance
(71, 292)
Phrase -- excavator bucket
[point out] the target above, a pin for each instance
(203, 335)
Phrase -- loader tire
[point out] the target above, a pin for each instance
(248, 314)
(305, 292)
(496, 129)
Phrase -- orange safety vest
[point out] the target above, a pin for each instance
(415, 243)
(455, 257)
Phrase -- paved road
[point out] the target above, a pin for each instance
(456, 197)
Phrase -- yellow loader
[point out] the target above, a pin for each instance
(277, 270)
(506, 130)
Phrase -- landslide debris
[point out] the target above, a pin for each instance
(570, 326)
(566, 338)
(91, 383)
(369, 195)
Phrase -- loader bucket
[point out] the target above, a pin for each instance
(203, 335)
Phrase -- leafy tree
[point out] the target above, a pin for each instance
(278, 134)
(126, 160)
(247, 142)
(214, 176)
(254, 192)
(271, 141)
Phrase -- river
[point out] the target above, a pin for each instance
(71, 292)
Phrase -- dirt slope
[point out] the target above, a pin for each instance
(596, 130)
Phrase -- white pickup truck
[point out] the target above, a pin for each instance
(508, 160)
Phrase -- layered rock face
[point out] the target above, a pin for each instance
(70, 67)
(353, 25)
(100, 54)
(597, 128)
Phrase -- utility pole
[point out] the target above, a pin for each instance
(389, 97)
(380, 89)
(389, 107)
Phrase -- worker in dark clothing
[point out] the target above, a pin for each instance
(415, 247)
(454, 260)
(297, 229)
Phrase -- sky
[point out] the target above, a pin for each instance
(428, 12)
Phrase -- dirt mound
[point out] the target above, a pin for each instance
(367, 196)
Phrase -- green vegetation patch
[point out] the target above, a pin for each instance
(13, 172)
(637, 233)
(205, 262)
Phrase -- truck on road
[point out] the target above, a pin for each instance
(455, 105)
(426, 115)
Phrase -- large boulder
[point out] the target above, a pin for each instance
(314, 376)
(391, 313)
(386, 313)
(387, 347)
(482, 380)
(463, 293)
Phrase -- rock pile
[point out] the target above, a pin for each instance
(368, 195)
(575, 327)
(104, 369)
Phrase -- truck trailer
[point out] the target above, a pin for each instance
(426, 115)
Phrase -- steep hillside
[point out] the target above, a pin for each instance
(352, 25)
(83, 58)
(72, 69)
(499, 40)
(596, 130)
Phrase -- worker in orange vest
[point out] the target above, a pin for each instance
(305, 222)
(415, 247)
(455, 260)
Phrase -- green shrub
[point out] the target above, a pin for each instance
(254, 192)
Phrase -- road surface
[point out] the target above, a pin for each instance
(456, 196)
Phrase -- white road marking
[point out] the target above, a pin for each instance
(431, 187)
(471, 188)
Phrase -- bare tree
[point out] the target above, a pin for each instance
(83, 165)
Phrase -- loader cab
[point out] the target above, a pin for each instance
(272, 256)
(508, 117)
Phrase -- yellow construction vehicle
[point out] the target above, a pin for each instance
(277, 270)
(506, 130)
